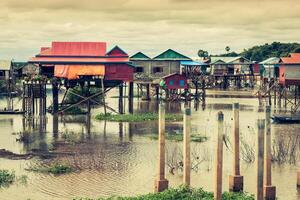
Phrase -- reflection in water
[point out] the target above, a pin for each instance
(113, 158)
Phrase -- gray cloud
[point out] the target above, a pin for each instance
(151, 26)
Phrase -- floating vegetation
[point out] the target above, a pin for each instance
(182, 192)
(138, 117)
(179, 137)
(56, 168)
(8, 177)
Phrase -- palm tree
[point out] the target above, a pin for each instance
(227, 48)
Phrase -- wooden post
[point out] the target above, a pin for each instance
(236, 180)
(186, 147)
(260, 159)
(121, 110)
(130, 97)
(157, 92)
(161, 183)
(269, 190)
(147, 92)
(103, 94)
(55, 96)
(219, 158)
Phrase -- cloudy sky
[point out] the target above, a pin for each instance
(150, 26)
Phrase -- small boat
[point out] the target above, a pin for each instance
(11, 112)
(286, 118)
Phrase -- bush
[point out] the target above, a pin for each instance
(182, 193)
(53, 169)
(6, 178)
(138, 117)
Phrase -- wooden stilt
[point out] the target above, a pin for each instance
(103, 94)
(121, 109)
(260, 159)
(130, 97)
(55, 96)
(161, 183)
(269, 190)
(219, 158)
(186, 147)
(236, 180)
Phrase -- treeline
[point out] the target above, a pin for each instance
(262, 52)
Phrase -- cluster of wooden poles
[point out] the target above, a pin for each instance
(265, 190)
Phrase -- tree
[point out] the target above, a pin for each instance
(202, 53)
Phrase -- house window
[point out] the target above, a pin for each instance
(139, 69)
(157, 69)
(171, 83)
(181, 83)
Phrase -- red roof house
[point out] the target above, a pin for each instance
(72, 60)
(289, 70)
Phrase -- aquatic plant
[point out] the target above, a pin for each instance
(137, 117)
(56, 168)
(6, 177)
(182, 193)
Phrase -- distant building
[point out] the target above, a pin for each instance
(289, 70)
(270, 67)
(229, 65)
(5, 69)
(168, 62)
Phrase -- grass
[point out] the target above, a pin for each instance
(138, 117)
(179, 137)
(55, 168)
(6, 178)
(182, 193)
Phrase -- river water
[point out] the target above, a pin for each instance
(114, 158)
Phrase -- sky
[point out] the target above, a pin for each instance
(150, 26)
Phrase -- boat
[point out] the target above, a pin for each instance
(292, 118)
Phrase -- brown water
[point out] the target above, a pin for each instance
(120, 159)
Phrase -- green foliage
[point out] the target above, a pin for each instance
(276, 49)
(202, 53)
(137, 117)
(74, 94)
(179, 137)
(55, 168)
(182, 193)
(262, 52)
(6, 178)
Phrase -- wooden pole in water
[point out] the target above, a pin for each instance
(130, 97)
(260, 159)
(121, 109)
(103, 94)
(186, 147)
(55, 96)
(269, 190)
(161, 183)
(236, 180)
(219, 158)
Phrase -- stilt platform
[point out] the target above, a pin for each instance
(288, 118)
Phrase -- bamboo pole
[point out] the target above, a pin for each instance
(161, 183)
(269, 190)
(186, 147)
(219, 158)
(260, 159)
(236, 180)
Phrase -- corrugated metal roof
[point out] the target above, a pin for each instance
(192, 63)
(270, 61)
(75, 49)
(170, 54)
(78, 60)
(5, 65)
(140, 56)
(117, 51)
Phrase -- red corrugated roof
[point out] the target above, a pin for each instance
(293, 59)
(78, 60)
(75, 49)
